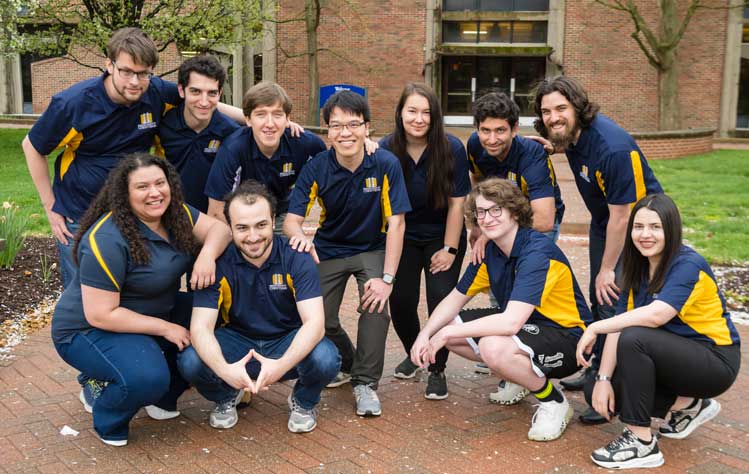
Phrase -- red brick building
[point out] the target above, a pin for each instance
(461, 47)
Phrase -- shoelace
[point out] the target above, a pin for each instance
(295, 406)
(225, 407)
(625, 439)
(364, 390)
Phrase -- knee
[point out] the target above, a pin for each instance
(325, 359)
(147, 384)
(631, 338)
(495, 351)
(189, 364)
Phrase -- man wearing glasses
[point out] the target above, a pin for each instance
(531, 336)
(364, 200)
(95, 122)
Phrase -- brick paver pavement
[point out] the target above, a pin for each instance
(465, 433)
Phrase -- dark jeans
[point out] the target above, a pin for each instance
(314, 371)
(655, 366)
(140, 370)
(365, 363)
(404, 300)
(65, 253)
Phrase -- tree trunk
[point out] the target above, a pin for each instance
(312, 21)
(669, 112)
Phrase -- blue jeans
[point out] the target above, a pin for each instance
(140, 370)
(65, 252)
(314, 372)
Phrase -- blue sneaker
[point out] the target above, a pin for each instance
(90, 391)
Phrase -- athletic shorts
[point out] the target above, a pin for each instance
(551, 349)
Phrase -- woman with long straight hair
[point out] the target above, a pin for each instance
(435, 167)
(672, 346)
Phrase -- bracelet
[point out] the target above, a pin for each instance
(603, 378)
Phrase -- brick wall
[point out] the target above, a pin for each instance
(599, 51)
(56, 74)
(377, 44)
(665, 148)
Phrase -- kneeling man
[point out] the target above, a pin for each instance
(531, 336)
(272, 319)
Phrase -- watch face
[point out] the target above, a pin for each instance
(387, 278)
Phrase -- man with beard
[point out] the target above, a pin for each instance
(611, 174)
(271, 308)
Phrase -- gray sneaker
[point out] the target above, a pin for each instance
(301, 420)
(224, 415)
(367, 402)
(340, 379)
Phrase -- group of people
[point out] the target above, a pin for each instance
(221, 203)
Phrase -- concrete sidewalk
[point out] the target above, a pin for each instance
(465, 433)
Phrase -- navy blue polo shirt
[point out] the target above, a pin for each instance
(691, 289)
(609, 168)
(527, 165)
(192, 153)
(104, 262)
(94, 134)
(538, 273)
(355, 206)
(261, 302)
(240, 159)
(424, 222)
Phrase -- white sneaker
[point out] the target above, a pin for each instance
(112, 442)
(550, 420)
(224, 415)
(508, 393)
(628, 452)
(683, 422)
(160, 414)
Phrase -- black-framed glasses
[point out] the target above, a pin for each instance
(352, 126)
(128, 74)
(495, 211)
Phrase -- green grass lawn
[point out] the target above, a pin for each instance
(712, 192)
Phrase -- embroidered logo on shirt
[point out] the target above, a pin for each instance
(212, 146)
(370, 185)
(513, 178)
(584, 173)
(277, 282)
(288, 170)
(146, 121)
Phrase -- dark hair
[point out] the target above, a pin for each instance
(134, 42)
(249, 192)
(635, 266)
(206, 65)
(265, 93)
(114, 197)
(503, 193)
(572, 90)
(495, 105)
(440, 167)
(347, 101)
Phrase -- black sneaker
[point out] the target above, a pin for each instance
(436, 386)
(683, 422)
(627, 452)
(406, 369)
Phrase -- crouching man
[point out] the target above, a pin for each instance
(531, 336)
(272, 319)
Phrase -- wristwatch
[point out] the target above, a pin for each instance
(450, 250)
(388, 278)
(602, 378)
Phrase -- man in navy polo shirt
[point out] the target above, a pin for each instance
(611, 174)
(364, 199)
(264, 150)
(269, 299)
(190, 134)
(96, 122)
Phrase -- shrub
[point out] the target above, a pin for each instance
(12, 227)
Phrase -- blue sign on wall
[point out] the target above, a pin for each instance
(327, 91)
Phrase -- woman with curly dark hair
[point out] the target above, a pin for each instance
(122, 320)
(435, 167)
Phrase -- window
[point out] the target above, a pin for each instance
(494, 31)
(496, 5)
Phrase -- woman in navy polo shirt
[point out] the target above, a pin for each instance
(122, 320)
(435, 167)
(672, 347)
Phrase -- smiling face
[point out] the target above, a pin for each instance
(416, 117)
(560, 119)
(201, 97)
(268, 123)
(495, 136)
(648, 235)
(252, 229)
(495, 228)
(124, 90)
(149, 193)
(348, 142)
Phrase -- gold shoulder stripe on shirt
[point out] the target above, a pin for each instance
(167, 108)
(224, 300)
(640, 189)
(558, 299)
(524, 186)
(314, 195)
(290, 284)
(552, 174)
(631, 300)
(97, 253)
(387, 210)
(703, 311)
(189, 216)
(71, 142)
(475, 167)
(158, 148)
(601, 184)
(480, 281)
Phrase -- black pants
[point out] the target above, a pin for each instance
(596, 246)
(654, 366)
(404, 300)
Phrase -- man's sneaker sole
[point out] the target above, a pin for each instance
(86, 406)
(160, 414)
(338, 383)
(112, 442)
(552, 437)
(368, 412)
(405, 376)
(710, 412)
(435, 396)
(652, 460)
(494, 398)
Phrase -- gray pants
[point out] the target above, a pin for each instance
(365, 363)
